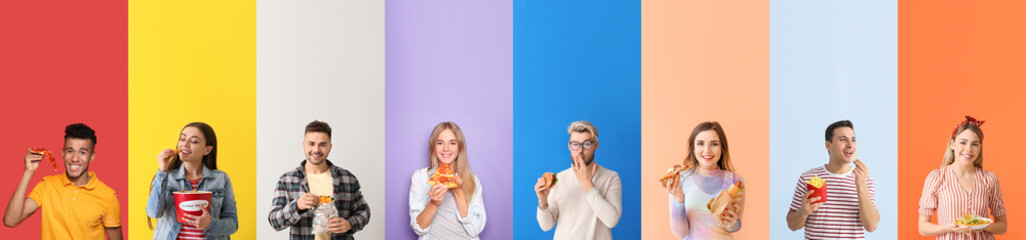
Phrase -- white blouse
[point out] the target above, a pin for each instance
(447, 223)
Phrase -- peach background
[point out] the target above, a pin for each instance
(960, 58)
(704, 61)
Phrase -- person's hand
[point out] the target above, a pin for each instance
(807, 206)
(861, 173)
(729, 216)
(584, 172)
(951, 227)
(672, 186)
(163, 158)
(542, 192)
(458, 190)
(202, 221)
(437, 193)
(339, 225)
(32, 161)
(306, 201)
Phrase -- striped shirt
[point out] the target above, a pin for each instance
(190, 231)
(838, 217)
(943, 195)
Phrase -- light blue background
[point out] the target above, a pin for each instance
(829, 61)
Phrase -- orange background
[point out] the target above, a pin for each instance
(704, 61)
(960, 58)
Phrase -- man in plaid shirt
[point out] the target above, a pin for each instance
(297, 192)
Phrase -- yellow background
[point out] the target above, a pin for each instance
(192, 61)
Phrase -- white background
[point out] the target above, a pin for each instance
(321, 60)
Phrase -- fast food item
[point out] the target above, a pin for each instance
(732, 194)
(172, 155)
(191, 202)
(444, 175)
(46, 155)
(324, 199)
(550, 180)
(324, 211)
(673, 172)
(818, 185)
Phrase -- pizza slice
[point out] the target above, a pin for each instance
(673, 172)
(47, 155)
(444, 175)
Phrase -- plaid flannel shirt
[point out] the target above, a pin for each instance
(348, 201)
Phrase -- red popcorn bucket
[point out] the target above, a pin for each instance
(818, 192)
(191, 202)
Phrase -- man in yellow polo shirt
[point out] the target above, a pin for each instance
(76, 205)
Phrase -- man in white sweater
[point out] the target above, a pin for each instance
(586, 201)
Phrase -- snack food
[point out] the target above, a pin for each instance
(975, 222)
(550, 180)
(732, 194)
(673, 172)
(323, 212)
(47, 155)
(818, 185)
(444, 175)
(324, 199)
(172, 155)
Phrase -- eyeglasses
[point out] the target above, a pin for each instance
(575, 145)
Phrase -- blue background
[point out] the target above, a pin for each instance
(575, 61)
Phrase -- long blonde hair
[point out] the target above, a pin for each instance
(949, 155)
(460, 165)
(724, 162)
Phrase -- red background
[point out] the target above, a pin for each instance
(62, 62)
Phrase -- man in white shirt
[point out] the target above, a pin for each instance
(586, 199)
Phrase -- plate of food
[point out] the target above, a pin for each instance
(975, 222)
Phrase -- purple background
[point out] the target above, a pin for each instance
(449, 61)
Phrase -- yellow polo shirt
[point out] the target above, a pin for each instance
(76, 212)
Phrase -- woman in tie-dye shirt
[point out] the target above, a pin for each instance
(712, 173)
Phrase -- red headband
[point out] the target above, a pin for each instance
(968, 120)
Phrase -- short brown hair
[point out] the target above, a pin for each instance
(318, 126)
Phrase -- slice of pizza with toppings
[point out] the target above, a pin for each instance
(673, 172)
(47, 155)
(444, 175)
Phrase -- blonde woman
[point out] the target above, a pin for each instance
(961, 186)
(440, 212)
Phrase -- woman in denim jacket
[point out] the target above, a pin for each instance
(193, 168)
